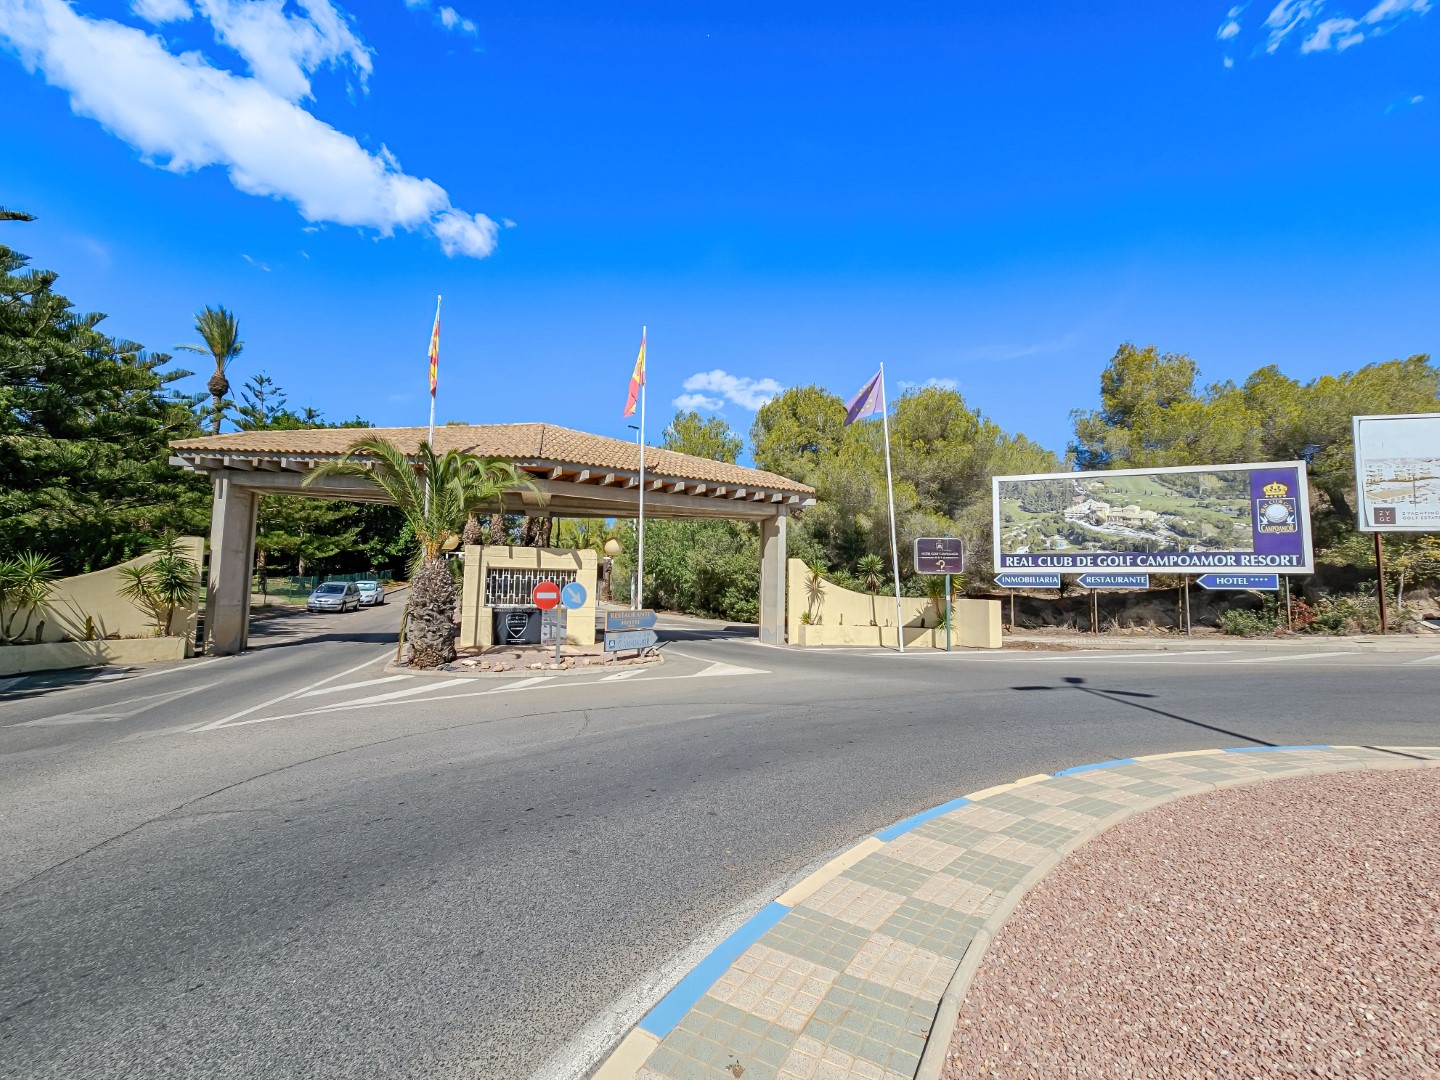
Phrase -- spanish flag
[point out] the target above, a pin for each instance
(435, 351)
(637, 377)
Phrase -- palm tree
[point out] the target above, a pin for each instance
(221, 336)
(436, 495)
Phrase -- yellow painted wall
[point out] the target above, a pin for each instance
(476, 629)
(843, 617)
(98, 596)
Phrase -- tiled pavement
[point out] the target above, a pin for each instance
(842, 977)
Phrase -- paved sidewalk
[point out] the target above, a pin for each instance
(844, 974)
(1309, 643)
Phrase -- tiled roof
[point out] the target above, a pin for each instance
(520, 443)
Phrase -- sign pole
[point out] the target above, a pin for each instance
(1289, 623)
(1012, 611)
(638, 601)
(1188, 631)
(1380, 573)
(947, 612)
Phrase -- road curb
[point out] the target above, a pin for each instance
(663, 1043)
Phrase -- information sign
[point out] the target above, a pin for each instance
(939, 555)
(1114, 581)
(643, 619)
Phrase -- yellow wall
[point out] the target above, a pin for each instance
(476, 629)
(98, 596)
(843, 617)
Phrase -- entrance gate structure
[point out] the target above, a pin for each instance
(577, 475)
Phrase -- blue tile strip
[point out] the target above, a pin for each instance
(1271, 749)
(674, 1005)
(902, 827)
(1096, 765)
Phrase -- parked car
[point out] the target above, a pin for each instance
(371, 593)
(334, 596)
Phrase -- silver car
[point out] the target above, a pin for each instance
(334, 596)
(371, 593)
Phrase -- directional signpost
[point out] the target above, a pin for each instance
(546, 596)
(1013, 579)
(940, 555)
(1099, 580)
(572, 596)
(630, 639)
(1257, 582)
(625, 630)
(643, 619)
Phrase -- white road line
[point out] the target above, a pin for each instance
(622, 675)
(114, 711)
(212, 725)
(410, 691)
(726, 669)
(355, 685)
(1282, 659)
(1423, 660)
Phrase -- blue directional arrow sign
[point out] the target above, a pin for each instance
(630, 639)
(1258, 582)
(573, 595)
(1014, 580)
(1115, 581)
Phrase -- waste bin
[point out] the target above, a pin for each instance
(517, 626)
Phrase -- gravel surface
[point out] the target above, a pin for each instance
(1291, 928)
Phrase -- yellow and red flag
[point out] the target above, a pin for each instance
(435, 352)
(637, 378)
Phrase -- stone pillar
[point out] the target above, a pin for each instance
(232, 557)
(772, 579)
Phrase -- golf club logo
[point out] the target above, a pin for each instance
(515, 623)
(1275, 513)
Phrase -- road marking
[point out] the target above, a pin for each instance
(212, 725)
(354, 685)
(621, 675)
(1423, 660)
(108, 714)
(1282, 659)
(727, 669)
(410, 691)
(521, 685)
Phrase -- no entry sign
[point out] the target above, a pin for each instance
(546, 595)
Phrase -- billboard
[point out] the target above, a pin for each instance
(1397, 472)
(1183, 520)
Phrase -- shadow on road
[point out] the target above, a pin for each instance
(1119, 697)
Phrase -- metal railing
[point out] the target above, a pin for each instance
(506, 587)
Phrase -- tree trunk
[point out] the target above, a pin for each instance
(497, 529)
(473, 533)
(431, 626)
(543, 529)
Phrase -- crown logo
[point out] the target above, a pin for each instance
(1276, 490)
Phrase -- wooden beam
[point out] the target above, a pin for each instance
(739, 493)
(556, 473)
(608, 480)
(677, 488)
(582, 476)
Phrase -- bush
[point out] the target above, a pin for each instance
(1242, 623)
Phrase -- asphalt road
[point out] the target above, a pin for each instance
(292, 864)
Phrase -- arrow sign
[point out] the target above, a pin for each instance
(1258, 582)
(1114, 581)
(629, 620)
(630, 639)
(1027, 581)
(572, 596)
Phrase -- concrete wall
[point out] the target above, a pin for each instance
(842, 617)
(60, 655)
(476, 620)
(98, 596)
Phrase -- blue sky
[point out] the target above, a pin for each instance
(784, 193)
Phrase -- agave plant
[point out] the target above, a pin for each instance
(437, 495)
(26, 582)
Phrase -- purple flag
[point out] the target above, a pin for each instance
(867, 402)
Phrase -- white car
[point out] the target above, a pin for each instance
(371, 593)
(334, 596)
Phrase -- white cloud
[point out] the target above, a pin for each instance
(162, 11)
(747, 393)
(465, 234)
(698, 402)
(254, 263)
(282, 49)
(1228, 30)
(451, 19)
(182, 113)
(931, 384)
(1229, 61)
(1323, 35)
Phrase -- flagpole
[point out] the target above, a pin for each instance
(431, 437)
(890, 490)
(639, 599)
